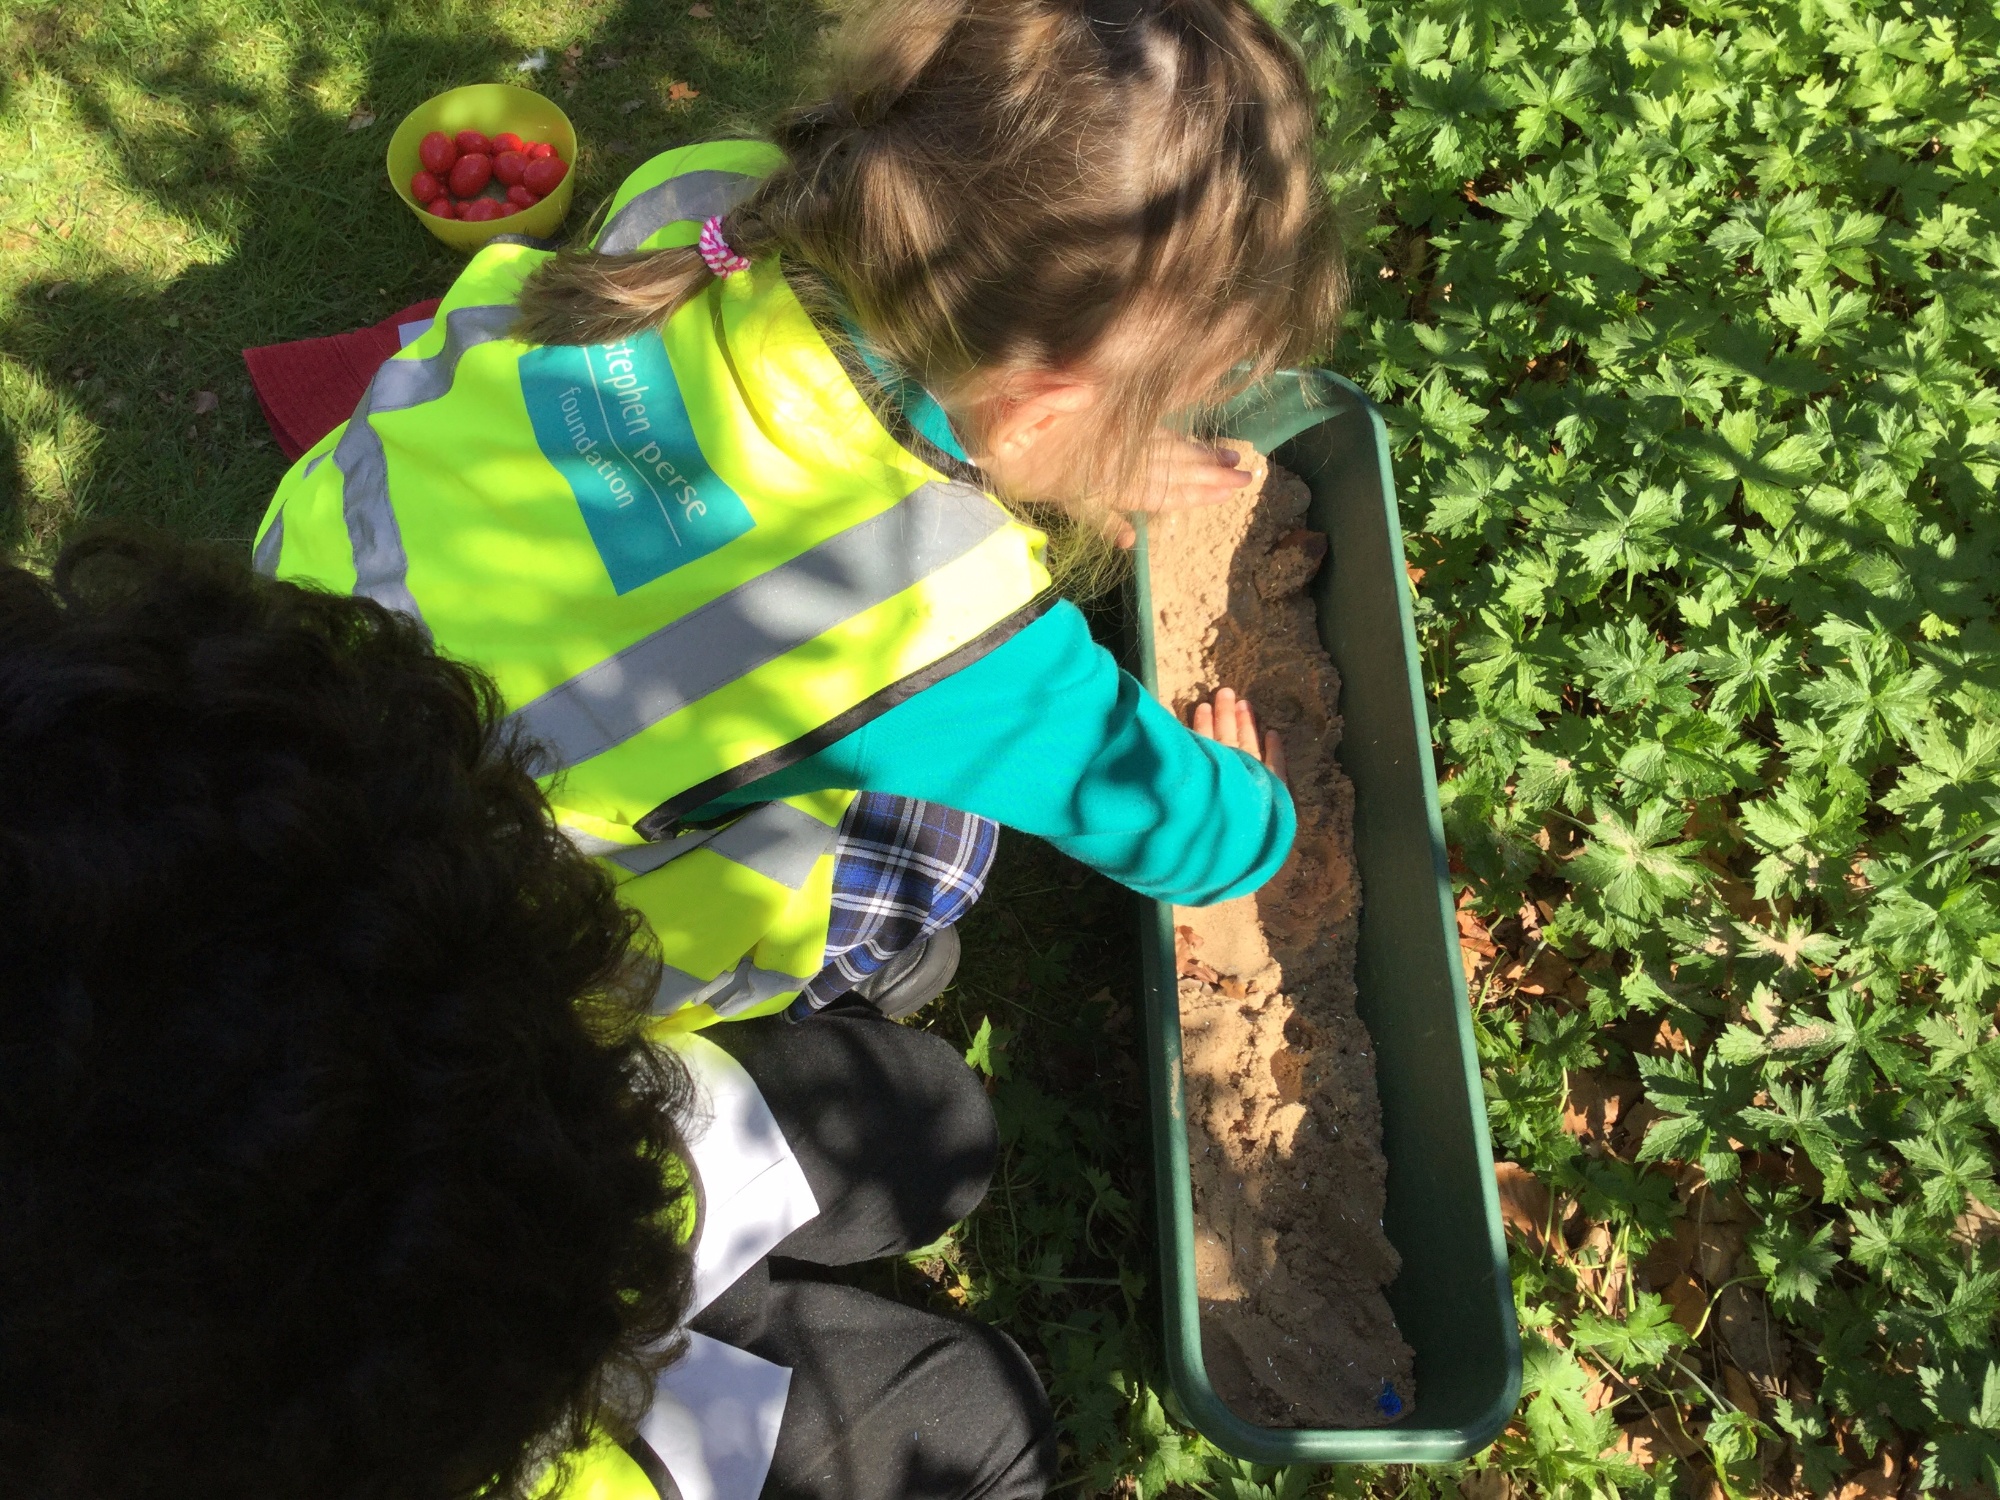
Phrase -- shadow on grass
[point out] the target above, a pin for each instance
(273, 216)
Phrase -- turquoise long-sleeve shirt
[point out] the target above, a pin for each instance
(1046, 734)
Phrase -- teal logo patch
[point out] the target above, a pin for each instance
(611, 419)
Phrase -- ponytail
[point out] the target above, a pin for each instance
(581, 297)
(1011, 182)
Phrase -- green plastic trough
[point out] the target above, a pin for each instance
(1452, 1297)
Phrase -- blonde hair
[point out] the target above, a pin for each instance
(1006, 182)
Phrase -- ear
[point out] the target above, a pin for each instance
(1018, 408)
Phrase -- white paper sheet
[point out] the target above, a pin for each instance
(716, 1413)
(754, 1191)
(714, 1420)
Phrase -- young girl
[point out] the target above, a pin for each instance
(721, 506)
(722, 502)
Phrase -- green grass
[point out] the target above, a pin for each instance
(184, 183)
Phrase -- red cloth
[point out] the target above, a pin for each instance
(310, 386)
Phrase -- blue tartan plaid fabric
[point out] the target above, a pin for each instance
(902, 869)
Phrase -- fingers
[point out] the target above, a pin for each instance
(1246, 730)
(1225, 715)
(1232, 721)
(1182, 474)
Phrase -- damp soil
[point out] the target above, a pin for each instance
(1284, 1125)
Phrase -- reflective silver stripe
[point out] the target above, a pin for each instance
(381, 567)
(778, 841)
(775, 839)
(643, 859)
(755, 622)
(692, 196)
(592, 844)
(730, 992)
(269, 545)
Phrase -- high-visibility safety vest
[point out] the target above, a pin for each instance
(688, 559)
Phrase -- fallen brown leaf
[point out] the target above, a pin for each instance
(205, 402)
(1688, 1301)
(1878, 1480)
(678, 92)
(1643, 1440)
(361, 118)
(1707, 1203)
(1550, 974)
(1741, 1393)
(1524, 1203)
(1716, 1247)
(700, 12)
(1666, 1260)
(1599, 1269)
(1973, 1228)
(1743, 1322)
(1594, 1103)
(1472, 959)
(1474, 933)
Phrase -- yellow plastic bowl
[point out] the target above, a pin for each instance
(490, 108)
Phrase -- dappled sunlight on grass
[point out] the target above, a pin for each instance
(207, 176)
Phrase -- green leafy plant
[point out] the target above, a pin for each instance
(1686, 321)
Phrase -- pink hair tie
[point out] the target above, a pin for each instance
(715, 251)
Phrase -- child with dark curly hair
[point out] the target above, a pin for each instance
(334, 1161)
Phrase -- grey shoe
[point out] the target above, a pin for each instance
(910, 980)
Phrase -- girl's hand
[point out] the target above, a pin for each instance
(1231, 721)
(1181, 474)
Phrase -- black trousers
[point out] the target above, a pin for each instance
(887, 1402)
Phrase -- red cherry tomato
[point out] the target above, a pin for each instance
(521, 196)
(484, 209)
(539, 150)
(471, 174)
(437, 153)
(471, 141)
(508, 167)
(542, 176)
(506, 140)
(441, 206)
(425, 186)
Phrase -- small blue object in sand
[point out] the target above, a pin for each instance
(1389, 1403)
